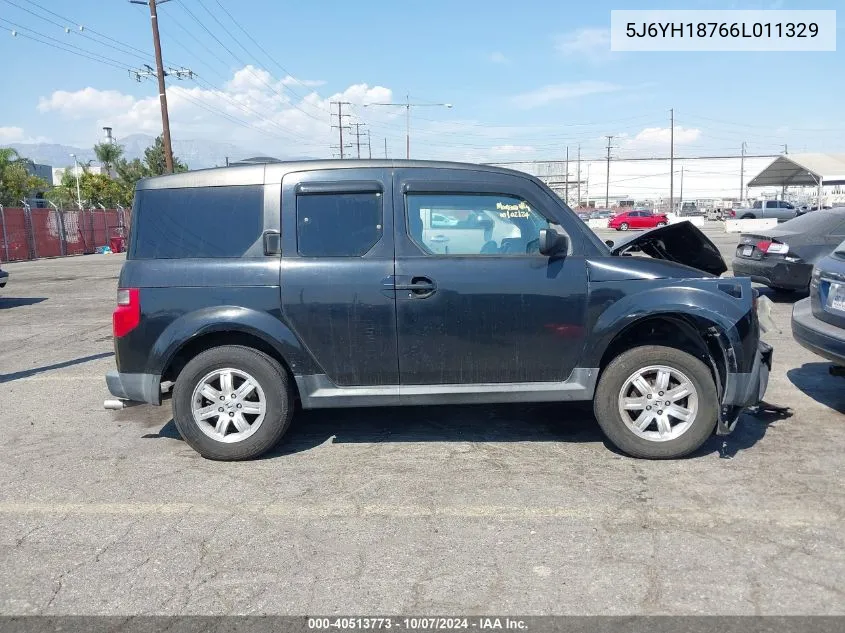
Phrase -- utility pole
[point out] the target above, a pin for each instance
(340, 126)
(785, 150)
(385, 147)
(408, 105)
(566, 180)
(681, 197)
(607, 181)
(358, 137)
(579, 175)
(671, 160)
(742, 176)
(369, 146)
(162, 91)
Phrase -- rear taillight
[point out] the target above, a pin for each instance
(127, 314)
(773, 248)
(815, 278)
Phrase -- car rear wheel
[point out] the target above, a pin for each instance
(661, 224)
(656, 402)
(623, 226)
(747, 216)
(232, 403)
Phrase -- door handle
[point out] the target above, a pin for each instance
(419, 288)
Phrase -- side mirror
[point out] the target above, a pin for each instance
(552, 243)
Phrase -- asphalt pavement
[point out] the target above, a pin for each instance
(433, 510)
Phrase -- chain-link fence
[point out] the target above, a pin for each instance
(28, 233)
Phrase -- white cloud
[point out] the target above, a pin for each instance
(11, 134)
(562, 92)
(500, 151)
(253, 109)
(309, 83)
(592, 44)
(84, 103)
(499, 58)
(652, 137)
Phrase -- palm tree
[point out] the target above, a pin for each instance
(108, 154)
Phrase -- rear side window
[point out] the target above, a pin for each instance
(197, 222)
(338, 224)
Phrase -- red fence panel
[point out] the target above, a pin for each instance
(15, 243)
(33, 233)
(46, 230)
(74, 237)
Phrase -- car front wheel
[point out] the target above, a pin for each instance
(232, 403)
(656, 402)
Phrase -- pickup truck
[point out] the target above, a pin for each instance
(260, 289)
(781, 210)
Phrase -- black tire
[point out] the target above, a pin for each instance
(747, 216)
(623, 226)
(613, 378)
(274, 382)
(661, 224)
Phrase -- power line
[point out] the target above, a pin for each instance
(261, 48)
(70, 48)
(78, 24)
(246, 66)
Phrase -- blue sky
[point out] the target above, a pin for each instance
(526, 79)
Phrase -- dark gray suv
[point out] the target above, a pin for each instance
(376, 283)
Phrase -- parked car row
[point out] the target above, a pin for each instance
(782, 258)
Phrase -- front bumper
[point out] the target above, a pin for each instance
(745, 389)
(135, 387)
(824, 339)
(774, 273)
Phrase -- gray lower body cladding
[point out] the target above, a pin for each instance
(318, 391)
(135, 387)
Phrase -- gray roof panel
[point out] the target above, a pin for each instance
(255, 174)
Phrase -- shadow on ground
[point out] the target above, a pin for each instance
(553, 422)
(26, 373)
(750, 429)
(815, 381)
(17, 302)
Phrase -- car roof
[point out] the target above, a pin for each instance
(257, 174)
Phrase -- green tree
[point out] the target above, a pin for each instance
(128, 174)
(154, 159)
(108, 154)
(16, 181)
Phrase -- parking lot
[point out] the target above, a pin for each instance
(435, 510)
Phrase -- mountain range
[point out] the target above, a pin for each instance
(197, 154)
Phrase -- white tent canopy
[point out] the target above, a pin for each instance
(807, 170)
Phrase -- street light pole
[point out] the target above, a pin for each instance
(76, 173)
(408, 105)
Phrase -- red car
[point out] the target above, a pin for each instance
(637, 220)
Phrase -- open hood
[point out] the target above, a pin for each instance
(682, 243)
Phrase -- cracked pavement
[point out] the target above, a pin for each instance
(434, 510)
